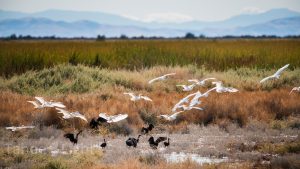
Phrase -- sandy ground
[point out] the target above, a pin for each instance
(193, 142)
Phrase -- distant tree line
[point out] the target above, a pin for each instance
(188, 35)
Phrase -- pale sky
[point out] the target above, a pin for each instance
(156, 10)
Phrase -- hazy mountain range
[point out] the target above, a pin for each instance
(280, 22)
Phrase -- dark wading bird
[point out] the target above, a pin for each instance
(145, 130)
(167, 143)
(154, 143)
(132, 141)
(72, 137)
(103, 145)
(94, 123)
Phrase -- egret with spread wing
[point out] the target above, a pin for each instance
(187, 88)
(220, 88)
(163, 77)
(50, 103)
(113, 118)
(295, 89)
(14, 128)
(170, 117)
(139, 97)
(275, 75)
(68, 115)
(182, 101)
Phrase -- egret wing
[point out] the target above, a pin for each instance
(175, 114)
(103, 115)
(146, 98)
(169, 74)
(58, 104)
(79, 115)
(282, 69)
(232, 90)
(118, 117)
(41, 100)
(36, 105)
(198, 108)
(211, 78)
(267, 78)
(193, 80)
(11, 128)
(153, 80)
(130, 94)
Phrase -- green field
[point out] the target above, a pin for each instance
(20, 56)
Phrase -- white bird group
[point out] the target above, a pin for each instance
(189, 103)
(184, 104)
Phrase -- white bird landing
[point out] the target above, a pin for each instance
(163, 77)
(275, 75)
(68, 115)
(182, 101)
(187, 88)
(201, 82)
(220, 88)
(42, 103)
(13, 128)
(170, 117)
(139, 97)
(295, 89)
(113, 118)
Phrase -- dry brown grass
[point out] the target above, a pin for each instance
(222, 109)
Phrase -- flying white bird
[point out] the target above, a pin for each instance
(187, 88)
(201, 82)
(195, 100)
(220, 88)
(163, 77)
(13, 128)
(295, 89)
(182, 101)
(42, 103)
(113, 118)
(68, 115)
(275, 75)
(139, 97)
(36, 104)
(186, 108)
(170, 117)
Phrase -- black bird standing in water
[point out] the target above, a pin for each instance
(132, 141)
(103, 145)
(167, 143)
